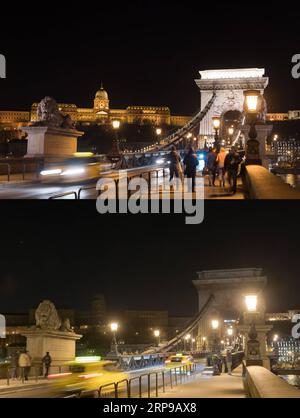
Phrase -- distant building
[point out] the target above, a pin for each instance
(277, 116)
(286, 150)
(294, 114)
(136, 326)
(288, 350)
(100, 113)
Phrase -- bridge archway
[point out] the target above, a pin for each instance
(229, 86)
(230, 119)
(228, 288)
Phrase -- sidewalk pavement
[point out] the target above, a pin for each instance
(18, 385)
(208, 386)
(17, 179)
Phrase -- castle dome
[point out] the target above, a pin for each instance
(101, 94)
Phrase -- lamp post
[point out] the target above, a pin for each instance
(230, 133)
(230, 334)
(253, 346)
(193, 344)
(114, 326)
(116, 125)
(114, 155)
(252, 109)
(204, 343)
(157, 336)
(186, 340)
(216, 124)
(251, 302)
(215, 326)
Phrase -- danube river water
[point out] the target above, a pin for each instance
(292, 179)
(292, 379)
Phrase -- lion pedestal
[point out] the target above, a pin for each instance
(51, 334)
(60, 345)
(46, 141)
(53, 134)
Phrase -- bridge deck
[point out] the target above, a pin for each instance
(218, 192)
(208, 386)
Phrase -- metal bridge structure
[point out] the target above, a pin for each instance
(148, 155)
(221, 91)
(189, 329)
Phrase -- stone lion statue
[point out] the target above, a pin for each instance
(46, 316)
(66, 325)
(48, 114)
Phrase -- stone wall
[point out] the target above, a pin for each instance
(261, 383)
(261, 184)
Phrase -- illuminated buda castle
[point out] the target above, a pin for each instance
(100, 113)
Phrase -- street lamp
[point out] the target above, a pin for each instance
(251, 303)
(193, 343)
(230, 131)
(252, 104)
(157, 335)
(215, 324)
(186, 339)
(158, 131)
(114, 326)
(215, 345)
(116, 125)
(230, 332)
(251, 101)
(216, 124)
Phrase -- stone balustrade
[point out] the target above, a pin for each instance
(261, 383)
(261, 184)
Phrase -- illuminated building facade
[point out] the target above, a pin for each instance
(100, 113)
(287, 149)
(288, 350)
(279, 117)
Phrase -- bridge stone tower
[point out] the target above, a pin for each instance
(229, 86)
(229, 287)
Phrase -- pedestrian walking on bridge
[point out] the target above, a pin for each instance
(191, 162)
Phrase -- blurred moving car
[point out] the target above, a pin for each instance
(86, 375)
(179, 360)
(74, 169)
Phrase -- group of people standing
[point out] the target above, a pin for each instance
(188, 169)
(21, 365)
(222, 164)
(218, 163)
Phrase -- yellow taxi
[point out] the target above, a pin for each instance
(178, 360)
(86, 374)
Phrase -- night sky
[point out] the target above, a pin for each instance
(68, 252)
(145, 52)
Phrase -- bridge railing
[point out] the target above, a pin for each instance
(144, 172)
(261, 383)
(148, 384)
